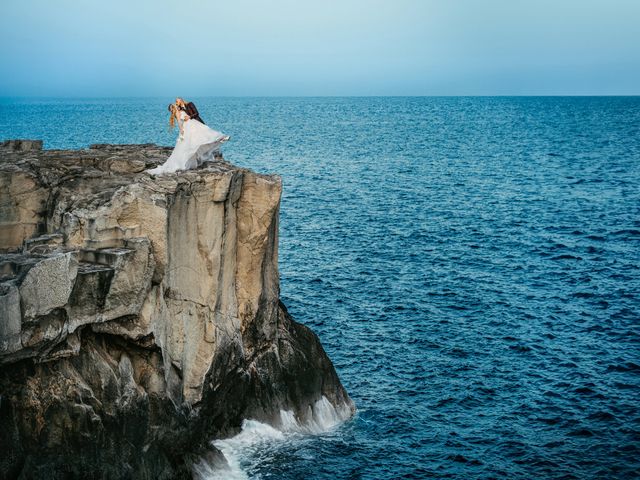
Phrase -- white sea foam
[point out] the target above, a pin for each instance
(323, 416)
(255, 437)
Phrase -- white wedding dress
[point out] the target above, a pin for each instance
(196, 146)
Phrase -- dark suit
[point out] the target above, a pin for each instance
(191, 110)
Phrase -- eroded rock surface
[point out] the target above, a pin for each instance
(139, 315)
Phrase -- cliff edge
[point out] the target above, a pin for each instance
(140, 316)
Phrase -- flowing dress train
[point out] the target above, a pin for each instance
(196, 146)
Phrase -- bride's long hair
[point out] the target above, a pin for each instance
(174, 115)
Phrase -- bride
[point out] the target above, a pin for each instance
(195, 145)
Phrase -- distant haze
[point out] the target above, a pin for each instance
(329, 47)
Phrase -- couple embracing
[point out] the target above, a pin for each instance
(196, 144)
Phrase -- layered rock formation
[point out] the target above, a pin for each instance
(139, 315)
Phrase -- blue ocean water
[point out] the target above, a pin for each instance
(471, 265)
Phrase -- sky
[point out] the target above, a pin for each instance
(90, 48)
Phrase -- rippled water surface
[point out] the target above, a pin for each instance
(471, 265)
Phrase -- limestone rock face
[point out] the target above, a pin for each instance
(140, 316)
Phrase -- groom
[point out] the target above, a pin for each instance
(190, 109)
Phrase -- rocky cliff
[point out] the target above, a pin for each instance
(140, 316)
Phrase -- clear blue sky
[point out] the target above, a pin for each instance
(329, 47)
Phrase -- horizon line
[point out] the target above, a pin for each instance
(67, 97)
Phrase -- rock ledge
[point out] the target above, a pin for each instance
(140, 316)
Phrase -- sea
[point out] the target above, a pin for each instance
(470, 264)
